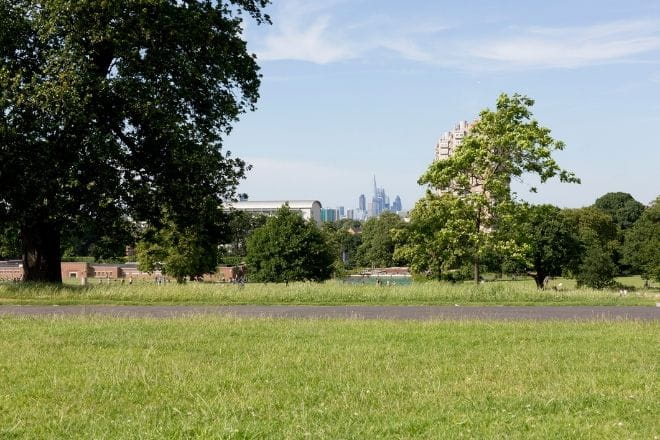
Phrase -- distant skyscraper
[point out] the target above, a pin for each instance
(373, 210)
(329, 215)
(396, 206)
(380, 201)
(362, 205)
(341, 211)
(350, 214)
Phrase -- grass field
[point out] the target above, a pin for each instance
(329, 293)
(228, 378)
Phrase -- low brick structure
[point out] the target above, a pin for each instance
(76, 270)
(13, 270)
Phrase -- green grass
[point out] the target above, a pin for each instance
(205, 377)
(330, 293)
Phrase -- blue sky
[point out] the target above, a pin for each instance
(353, 88)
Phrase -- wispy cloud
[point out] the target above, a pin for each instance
(316, 31)
(571, 47)
(308, 31)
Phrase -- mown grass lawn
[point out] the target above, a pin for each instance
(204, 377)
(329, 293)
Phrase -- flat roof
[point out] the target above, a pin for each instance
(274, 204)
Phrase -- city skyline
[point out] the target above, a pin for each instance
(350, 90)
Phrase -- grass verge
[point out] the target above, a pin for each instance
(206, 377)
(329, 293)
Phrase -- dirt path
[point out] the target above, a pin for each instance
(541, 313)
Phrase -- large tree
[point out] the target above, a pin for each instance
(623, 208)
(118, 108)
(503, 144)
(600, 237)
(641, 248)
(551, 241)
(288, 248)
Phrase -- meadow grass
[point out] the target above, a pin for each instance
(205, 377)
(329, 293)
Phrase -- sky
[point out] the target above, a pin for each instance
(357, 88)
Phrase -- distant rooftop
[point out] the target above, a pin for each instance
(270, 204)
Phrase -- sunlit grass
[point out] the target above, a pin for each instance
(227, 378)
(333, 292)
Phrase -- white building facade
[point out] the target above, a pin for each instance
(309, 209)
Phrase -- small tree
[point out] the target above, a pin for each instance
(343, 242)
(377, 248)
(437, 236)
(180, 253)
(288, 248)
(641, 247)
(597, 269)
(600, 237)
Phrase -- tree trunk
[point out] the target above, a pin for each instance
(477, 271)
(539, 278)
(41, 252)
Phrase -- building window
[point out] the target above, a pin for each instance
(73, 275)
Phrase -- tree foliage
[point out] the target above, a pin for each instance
(344, 238)
(501, 146)
(601, 238)
(288, 248)
(118, 108)
(439, 237)
(622, 207)
(642, 243)
(241, 225)
(10, 243)
(552, 242)
(377, 248)
(597, 269)
(183, 253)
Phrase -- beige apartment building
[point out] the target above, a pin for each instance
(451, 139)
(447, 144)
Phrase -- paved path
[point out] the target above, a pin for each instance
(539, 313)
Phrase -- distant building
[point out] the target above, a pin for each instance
(372, 210)
(340, 209)
(329, 215)
(448, 143)
(396, 206)
(309, 209)
(451, 139)
(380, 201)
(350, 214)
(362, 205)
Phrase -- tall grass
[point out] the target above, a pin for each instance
(226, 378)
(329, 293)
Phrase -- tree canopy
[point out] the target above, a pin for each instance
(622, 207)
(377, 247)
(642, 243)
(552, 241)
(118, 108)
(288, 248)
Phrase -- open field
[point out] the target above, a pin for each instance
(227, 378)
(329, 293)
